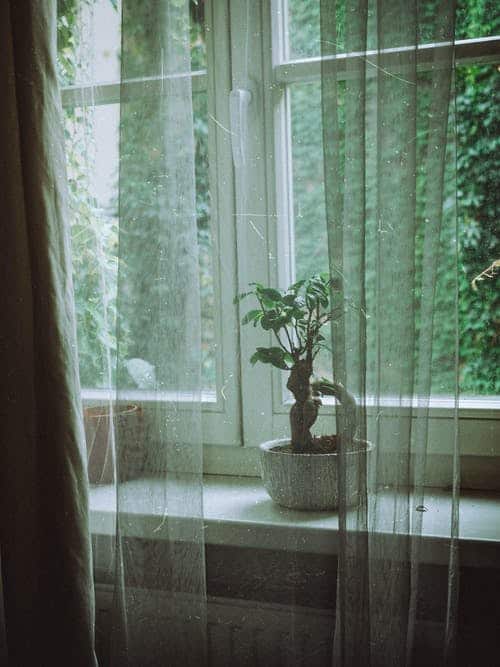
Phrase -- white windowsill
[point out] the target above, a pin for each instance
(238, 512)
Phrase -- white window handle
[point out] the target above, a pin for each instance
(239, 101)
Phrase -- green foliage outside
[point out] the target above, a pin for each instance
(478, 163)
(478, 138)
(95, 235)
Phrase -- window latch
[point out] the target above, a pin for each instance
(239, 101)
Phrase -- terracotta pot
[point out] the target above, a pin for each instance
(305, 481)
(98, 434)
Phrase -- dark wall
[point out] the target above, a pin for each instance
(305, 584)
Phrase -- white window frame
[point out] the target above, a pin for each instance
(220, 409)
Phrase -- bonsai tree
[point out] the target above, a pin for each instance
(296, 318)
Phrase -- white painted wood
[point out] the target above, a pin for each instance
(226, 427)
(279, 167)
(113, 92)
(252, 212)
(238, 512)
(467, 52)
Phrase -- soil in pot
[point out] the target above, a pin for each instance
(321, 444)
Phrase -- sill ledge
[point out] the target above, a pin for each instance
(238, 512)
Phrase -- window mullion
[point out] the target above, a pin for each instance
(223, 427)
(252, 228)
(467, 52)
(95, 94)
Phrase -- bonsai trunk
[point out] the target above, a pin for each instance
(304, 411)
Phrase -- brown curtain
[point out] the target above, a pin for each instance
(48, 596)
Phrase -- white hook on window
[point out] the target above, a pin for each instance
(239, 101)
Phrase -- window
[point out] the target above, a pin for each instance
(293, 189)
(89, 43)
(257, 199)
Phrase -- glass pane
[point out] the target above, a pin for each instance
(198, 37)
(98, 34)
(92, 160)
(88, 36)
(478, 138)
(303, 28)
(92, 149)
(205, 247)
(311, 252)
(478, 93)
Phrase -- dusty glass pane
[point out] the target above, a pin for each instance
(92, 132)
(311, 252)
(303, 28)
(478, 189)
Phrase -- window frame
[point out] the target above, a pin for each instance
(220, 408)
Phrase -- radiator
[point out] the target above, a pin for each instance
(242, 632)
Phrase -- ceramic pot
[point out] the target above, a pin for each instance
(306, 481)
(98, 434)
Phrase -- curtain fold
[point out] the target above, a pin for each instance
(390, 198)
(48, 595)
(160, 591)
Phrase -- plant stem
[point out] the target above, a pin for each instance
(292, 347)
(304, 411)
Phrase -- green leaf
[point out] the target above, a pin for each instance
(268, 320)
(270, 294)
(277, 358)
(252, 316)
(296, 286)
(289, 299)
(255, 358)
(275, 320)
(272, 355)
(241, 296)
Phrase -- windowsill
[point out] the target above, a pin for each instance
(238, 512)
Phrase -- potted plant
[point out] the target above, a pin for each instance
(100, 423)
(301, 472)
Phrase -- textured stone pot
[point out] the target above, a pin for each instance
(305, 481)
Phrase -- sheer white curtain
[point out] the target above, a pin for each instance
(390, 197)
(388, 141)
(160, 610)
